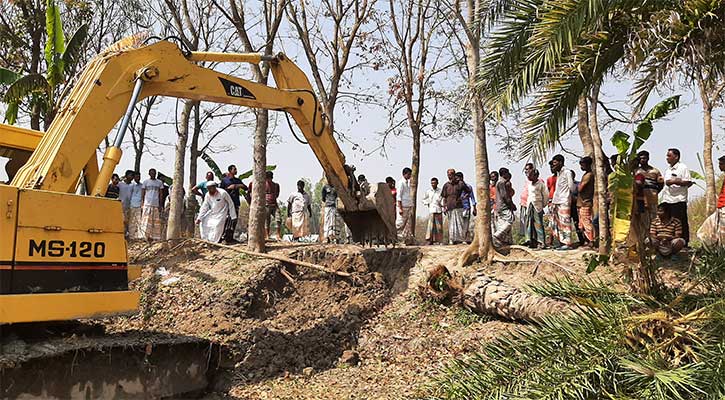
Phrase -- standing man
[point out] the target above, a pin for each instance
(562, 201)
(468, 200)
(152, 206)
(648, 183)
(721, 207)
(271, 194)
(585, 201)
(674, 194)
(232, 184)
(493, 180)
(216, 208)
(405, 207)
(524, 203)
(329, 202)
(134, 225)
(112, 190)
(432, 200)
(537, 199)
(453, 207)
(505, 207)
(200, 188)
(299, 211)
(125, 191)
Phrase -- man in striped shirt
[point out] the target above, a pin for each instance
(666, 233)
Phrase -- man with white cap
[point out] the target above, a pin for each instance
(215, 208)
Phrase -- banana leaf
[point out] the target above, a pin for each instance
(8, 76)
(621, 181)
(55, 44)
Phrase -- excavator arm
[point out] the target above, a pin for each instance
(129, 72)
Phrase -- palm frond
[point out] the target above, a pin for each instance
(590, 289)
(563, 357)
(557, 101)
(506, 51)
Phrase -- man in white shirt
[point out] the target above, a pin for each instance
(537, 197)
(125, 190)
(561, 202)
(151, 206)
(674, 194)
(136, 212)
(432, 200)
(405, 208)
(215, 209)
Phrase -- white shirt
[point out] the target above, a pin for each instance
(537, 195)
(432, 200)
(404, 196)
(564, 187)
(152, 188)
(125, 190)
(136, 194)
(675, 193)
(299, 202)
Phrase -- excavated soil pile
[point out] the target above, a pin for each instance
(269, 318)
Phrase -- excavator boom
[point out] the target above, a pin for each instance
(56, 243)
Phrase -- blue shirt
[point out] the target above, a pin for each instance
(468, 199)
(234, 194)
(202, 187)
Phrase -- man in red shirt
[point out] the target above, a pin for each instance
(721, 207)
(271, 193)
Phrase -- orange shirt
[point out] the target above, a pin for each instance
(721, 198)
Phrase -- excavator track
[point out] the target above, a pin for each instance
(77, 360)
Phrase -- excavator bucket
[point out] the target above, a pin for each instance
(374, 222)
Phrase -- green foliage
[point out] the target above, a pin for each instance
(591, 290)
(617, 347)
(54, 44)
(621, 181)
(60, 59)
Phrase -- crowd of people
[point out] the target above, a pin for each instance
(556, 211)
(561, 211)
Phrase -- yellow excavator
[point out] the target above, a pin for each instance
(63, 255)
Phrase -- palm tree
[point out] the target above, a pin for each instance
(41, 92)
(553, 53)
(689, 40)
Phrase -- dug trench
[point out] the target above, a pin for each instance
(211, 319)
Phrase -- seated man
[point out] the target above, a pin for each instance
(666, 233)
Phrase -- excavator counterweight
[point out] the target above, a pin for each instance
(66, 251)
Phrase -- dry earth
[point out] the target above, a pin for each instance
(290, 332)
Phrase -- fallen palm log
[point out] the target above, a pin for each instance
(280, 258)
(483, 294)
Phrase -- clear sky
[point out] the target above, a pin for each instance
(682, 129)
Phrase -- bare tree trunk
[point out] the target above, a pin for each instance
(194, 147)
(414, 176)
(485, 295)
(257, 210)
(174, 228)
(583, 126)
(482, 245)
(710, 190)
(600, 174)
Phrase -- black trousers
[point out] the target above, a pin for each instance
(679, 211)
(230, 226)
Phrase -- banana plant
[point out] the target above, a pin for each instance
(622, 179)
(41, 91)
